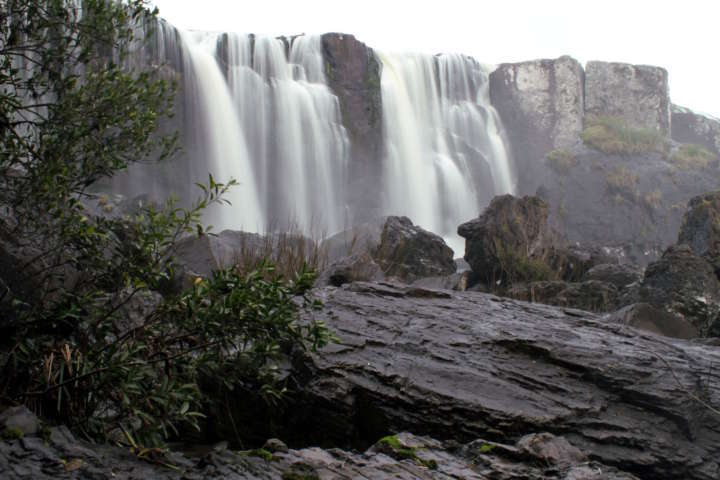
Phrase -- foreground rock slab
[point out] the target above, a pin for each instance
(477, 366)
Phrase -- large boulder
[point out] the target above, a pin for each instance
(541, 104)
(701, 227)
(694, 128)
(510, 229)
(686, 285)
(646, 317)
(616, 274)
(636, 93)
(409, 252)
(477, 365)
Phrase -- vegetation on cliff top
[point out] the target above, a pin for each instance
(614, 135)
(86, 337)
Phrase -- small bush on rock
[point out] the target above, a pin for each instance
(561, 160)
(692, 157)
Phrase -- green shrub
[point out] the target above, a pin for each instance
(613, 135)
(561, 160)
(70, 349)
(692, 157)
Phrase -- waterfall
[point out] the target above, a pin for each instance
(292, 123)
(220, 134)
(256, 109)
(445, 156)
(259, 109)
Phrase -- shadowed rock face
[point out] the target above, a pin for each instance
(637, 93)
(476, 366)
(701, 227)
(685, 284)
(508, 223)
(353, 74)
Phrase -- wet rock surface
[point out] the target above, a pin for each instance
(477, 366)
(534, 457)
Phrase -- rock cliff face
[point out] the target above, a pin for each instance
(636, 93)
(541, 104)
(693, 128)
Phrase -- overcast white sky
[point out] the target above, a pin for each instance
(681, 35)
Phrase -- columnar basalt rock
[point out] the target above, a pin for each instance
(637, 93)
(541, 103)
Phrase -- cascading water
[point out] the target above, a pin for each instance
(442, 142)
(258, 109)
(292, 123)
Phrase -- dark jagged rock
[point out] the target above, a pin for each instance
(508, 226)
(387, 247)
(619, 275)
(693, 128)
(701, 227)
(409, 252)
(478, 366)
(685, 284)
(646, 317)
(636, 93)
(591, 295)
